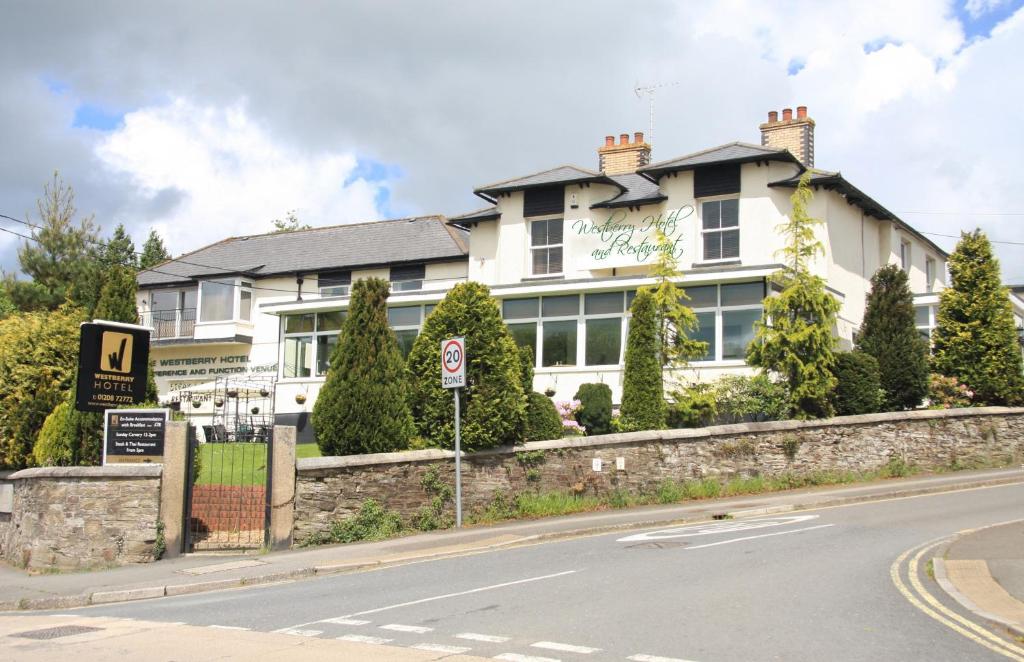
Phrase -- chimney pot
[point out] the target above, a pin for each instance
(787, 114)
(638, 137)
(801, 112)
(609, 141)
(773, 116)
(623, 138)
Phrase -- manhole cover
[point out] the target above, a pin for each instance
(658, 544)
(57, 632)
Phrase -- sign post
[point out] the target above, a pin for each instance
(453, 376)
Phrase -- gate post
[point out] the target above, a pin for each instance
(173, 486)
(282, 488)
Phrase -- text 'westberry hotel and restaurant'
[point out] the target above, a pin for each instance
(244, 327)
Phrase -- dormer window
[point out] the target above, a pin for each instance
(334, 283)
(408, 278)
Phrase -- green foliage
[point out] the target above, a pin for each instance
(693, 407)
(7, 306)
(119, 250)
(858, 386)
(53, 446)
(643, 398)
(362, 407)
(372, 522)
(160, 543)
(741, 399)
(595, 408)
(153, 251)
(527, 358)
(947, 392)
(790, 447)
(117, 297)
(436, 515)
(675, 319)
(290, 223)
(37, 363)
(975, 339)
(493, 403)
(888, 334)
(542, 419)
(794, 337)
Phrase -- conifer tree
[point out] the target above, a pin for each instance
(153, 251)
(676, 320)
(643, 397)
(975, 339)
(888, 334)
(493, 403)
(120, 250)
(363, 406)
(794, 336)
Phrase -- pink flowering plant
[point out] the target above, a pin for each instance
(567, 410)
(948, 392)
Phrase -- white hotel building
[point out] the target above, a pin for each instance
(562, 250)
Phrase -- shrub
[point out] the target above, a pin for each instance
(53, 447)
(363, 407)
(692, 407)
(888, 334)
(372, 522)
(643, 397)
(975, 338)
(567, 412)
(542, 419)
(946, 392)
(493, 403)
(858, 387)
(595, 413)
(741, 399)
(527, 359)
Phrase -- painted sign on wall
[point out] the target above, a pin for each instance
(619, 241)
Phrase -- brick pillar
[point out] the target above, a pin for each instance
(282, 497)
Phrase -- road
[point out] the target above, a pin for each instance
(804, 585)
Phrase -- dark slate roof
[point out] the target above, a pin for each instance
(638, 191)
(736, 152)
(566, 174)
(834, 181)
(358, 245)
(486, 214)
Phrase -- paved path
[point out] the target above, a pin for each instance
(811, 585)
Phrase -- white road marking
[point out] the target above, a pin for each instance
(712, 528)
(341, 620)
(763, 535)
(516, 657)
(640, 657)
(398, 627)
(565, 648)
(441, 648)
(226, 627)
(489, 638)
(303, 633)
(361, 639)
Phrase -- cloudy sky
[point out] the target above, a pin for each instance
(209, 119)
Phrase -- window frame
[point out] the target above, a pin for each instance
(313, 337)
(905, 255)
(547, 247)
(418, 327)
(930, 269)
(344, 288)
(237, 285)
(704, 232)
(719, 334)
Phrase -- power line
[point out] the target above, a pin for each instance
(992, 241)
(965, 213)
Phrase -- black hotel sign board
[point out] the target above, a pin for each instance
(134, 435)
(112, 364)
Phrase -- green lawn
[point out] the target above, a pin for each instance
(232, 464)
(307, 450)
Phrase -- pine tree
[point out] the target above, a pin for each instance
(117, 298)
(643, 397)
(363, 406)
(888, 334)
(975, 339)
(794, 336)
(120, 250)
(153, 251)
(493, 403)
(676, 320)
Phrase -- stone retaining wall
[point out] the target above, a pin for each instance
(334, 488)
(73, 518)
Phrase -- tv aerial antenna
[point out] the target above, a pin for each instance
(649, 90)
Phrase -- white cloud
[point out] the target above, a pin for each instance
(978, 8)
(230, 174)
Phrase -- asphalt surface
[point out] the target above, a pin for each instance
(805, 585)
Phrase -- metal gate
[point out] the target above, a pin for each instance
(228, 504)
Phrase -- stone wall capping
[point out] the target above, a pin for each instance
(109, 471)
(307, 464)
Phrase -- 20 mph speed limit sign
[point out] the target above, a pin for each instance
(453, 363)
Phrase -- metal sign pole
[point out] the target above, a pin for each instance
(458, 465)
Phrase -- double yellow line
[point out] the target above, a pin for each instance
(928, 604)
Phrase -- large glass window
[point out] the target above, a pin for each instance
(546, 247)
(604, 340)
(559, 343)
(218, 301)
(905, 255)
(309, 341)
(524, 334)
(924, 320)
(334, 283)
(720, 220)
(408, 277)
(298, 356)
(405, 321)
(725, 317)
(705, 332)
(737, 332)
(245, 302)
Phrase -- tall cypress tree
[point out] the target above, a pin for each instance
(153, 251)
(362, 407)
(975, 339)
(888, 334)
(643, 397)
(794, 337)
(120, 250)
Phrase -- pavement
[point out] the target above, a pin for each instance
(198, 573)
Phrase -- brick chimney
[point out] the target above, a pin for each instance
(793, 133)
(625, 157)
